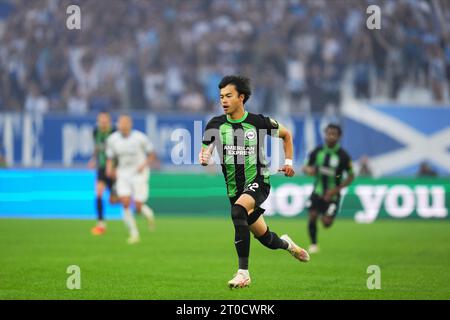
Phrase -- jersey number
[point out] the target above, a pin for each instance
(253, 186)
(331, 209)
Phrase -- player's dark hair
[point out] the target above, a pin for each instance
(241, 83)
(335, 127)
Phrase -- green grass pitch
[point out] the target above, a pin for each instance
(194, 257)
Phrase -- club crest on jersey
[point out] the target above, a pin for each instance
(250, 134)
(334, 162)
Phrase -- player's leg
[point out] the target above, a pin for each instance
(271, 240)
(327, 221)
(129, 220)
(100, 187)
(330, 211)
(239, 217)
(267, 238)
(254, 195)
(315, 208)
(312, 230)
(330, 214)
(124, 193)
(140, 192)
(100, 227)
(147, 212)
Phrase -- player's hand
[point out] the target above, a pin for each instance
(205, 156)
(92, 163)
(330, 194)
(288, 170)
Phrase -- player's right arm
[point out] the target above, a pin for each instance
(208, 143)
(275, 129)
(309, 168)
(205, 154)
(149, 150)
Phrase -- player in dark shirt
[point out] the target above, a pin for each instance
(327, 163)
(238, 137)
(98, 161)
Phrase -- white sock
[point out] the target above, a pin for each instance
(147, 212)
(130, 222)
(244, 271)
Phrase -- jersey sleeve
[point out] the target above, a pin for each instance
(311, 160)
(147, 144)
(211, 132)
(271, 125)
(348, 164)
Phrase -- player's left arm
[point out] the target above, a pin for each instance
(152, 159)
(348, 167)
(288, 146)
(275, 129)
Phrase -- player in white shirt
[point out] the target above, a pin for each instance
(134, 153)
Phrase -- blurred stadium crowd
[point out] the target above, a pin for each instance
(168, 56)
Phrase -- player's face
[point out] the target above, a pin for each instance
(103, 121)
(124, 124)
(230, 99)
(331, 137)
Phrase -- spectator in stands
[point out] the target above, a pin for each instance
(299, 49)
(35, 101)
(193, 100)
(3, 163)
(76, 102)
(425, 170)
(364, 167)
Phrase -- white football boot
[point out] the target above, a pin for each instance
(298, 252)
(241, 279)
(133, 239)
